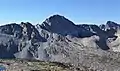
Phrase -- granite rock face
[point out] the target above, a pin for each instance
(58, 39)
(60, 25)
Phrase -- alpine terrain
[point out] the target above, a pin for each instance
(57, 39)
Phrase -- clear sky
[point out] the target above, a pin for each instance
(79, 11)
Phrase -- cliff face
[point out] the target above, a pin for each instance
(58, 39)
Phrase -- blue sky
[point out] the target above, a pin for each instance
(79, 11)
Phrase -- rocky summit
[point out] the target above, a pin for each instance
(57, 39)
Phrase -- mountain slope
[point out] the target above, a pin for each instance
(58, 39)
(60, 25)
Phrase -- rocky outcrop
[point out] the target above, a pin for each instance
(19, 40)
(60, 40)
(60, 25)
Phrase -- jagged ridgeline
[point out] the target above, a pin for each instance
(58, 39)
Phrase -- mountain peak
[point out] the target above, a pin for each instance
(112, 25)
(58, 24)
(56, 16)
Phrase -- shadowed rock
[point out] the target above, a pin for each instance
(58, 39)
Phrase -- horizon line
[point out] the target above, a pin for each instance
(35, 23)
